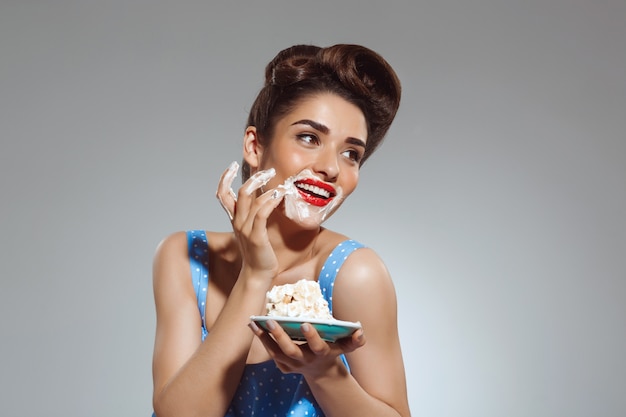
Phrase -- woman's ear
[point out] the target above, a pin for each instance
(252, 148)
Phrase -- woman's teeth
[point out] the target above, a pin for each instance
(313, 189)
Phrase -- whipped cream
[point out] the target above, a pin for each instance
(303, 299)
(297, 209)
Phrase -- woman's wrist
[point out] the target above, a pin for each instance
(256, 278)
(335, 372)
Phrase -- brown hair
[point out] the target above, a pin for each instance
(353, 72)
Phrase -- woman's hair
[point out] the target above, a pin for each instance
(353, 72)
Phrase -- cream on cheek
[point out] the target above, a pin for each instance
(299, 205)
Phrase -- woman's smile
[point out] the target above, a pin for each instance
(315, 192)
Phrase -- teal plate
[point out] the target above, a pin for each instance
(329, 330)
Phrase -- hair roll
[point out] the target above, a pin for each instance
(354, 72)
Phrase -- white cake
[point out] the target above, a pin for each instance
(300, 300)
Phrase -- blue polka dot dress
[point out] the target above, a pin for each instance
(264, 390)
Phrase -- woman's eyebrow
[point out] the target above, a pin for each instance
(355, 142)
(315, 125)
(324, 129)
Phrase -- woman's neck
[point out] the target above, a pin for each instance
(293, 246)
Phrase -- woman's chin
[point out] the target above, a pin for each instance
(308, 215)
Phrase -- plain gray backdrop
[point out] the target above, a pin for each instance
(498, 201)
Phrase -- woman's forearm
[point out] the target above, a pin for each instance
(340, 395)
(206, 383)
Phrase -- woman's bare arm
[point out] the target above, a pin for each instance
(190, 377)
(375, 385)
(193, 378)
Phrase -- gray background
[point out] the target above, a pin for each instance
(497, 201)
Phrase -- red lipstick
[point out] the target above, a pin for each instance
(314, 192)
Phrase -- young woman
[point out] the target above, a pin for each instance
(320, 115)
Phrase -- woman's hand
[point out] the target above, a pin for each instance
(313, 358)
(248, 213)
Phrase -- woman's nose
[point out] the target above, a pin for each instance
(327, 165)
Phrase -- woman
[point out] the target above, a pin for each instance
(320, 115)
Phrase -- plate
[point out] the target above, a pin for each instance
(329, 330)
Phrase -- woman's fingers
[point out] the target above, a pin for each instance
(252, 210)
(249, 212)
(227, 197)
(266, 203)
(316, 344)
(247, 195)
(272, 339)
(225, 193)
(320, 347)
(352, 343)
(258, 180)
(311, 356)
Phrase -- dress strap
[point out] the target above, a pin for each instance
(329, 271)
(198, 249)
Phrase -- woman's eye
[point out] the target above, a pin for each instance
(308, 138)
(352, 155)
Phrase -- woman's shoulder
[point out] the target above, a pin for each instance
(178, 241)
(172, 244)
(173, 252)
(331, 241)
(362, 276)
(364, 261)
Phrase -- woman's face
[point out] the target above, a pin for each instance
(317, 148)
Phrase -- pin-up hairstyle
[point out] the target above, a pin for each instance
(353, 72)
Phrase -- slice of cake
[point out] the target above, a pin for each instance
(303, 299)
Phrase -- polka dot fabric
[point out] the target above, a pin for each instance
(331, 267)
(264, 391)
(198, 249)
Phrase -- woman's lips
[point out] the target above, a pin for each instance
(309, 200)
(314, 192)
